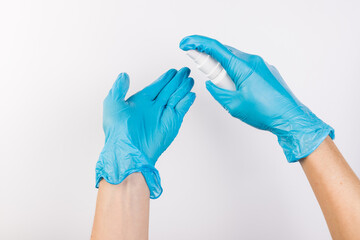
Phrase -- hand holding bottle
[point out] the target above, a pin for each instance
(262, 99)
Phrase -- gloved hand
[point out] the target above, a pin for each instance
(139, 130)
(262, 99)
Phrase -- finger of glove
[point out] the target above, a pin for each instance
(184, 104)
(215, 49)
(172, 86)
(120, 87)
(153, 90)
(242, 55)
(223, 96)
(180, 93)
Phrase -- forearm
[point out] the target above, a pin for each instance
(337, 189)
(122, 211)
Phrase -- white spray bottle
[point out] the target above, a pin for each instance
(212, 69)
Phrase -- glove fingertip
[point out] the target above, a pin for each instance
(184, 43)
(192, 42)
(211, 87)
(123, 75)
(191, 82)
(209, 83)
(121, 81)
(222, 96)
(120, 86)
(192, 97)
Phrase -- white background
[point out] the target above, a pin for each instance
(222, 179)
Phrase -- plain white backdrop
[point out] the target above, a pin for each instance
(222, 179)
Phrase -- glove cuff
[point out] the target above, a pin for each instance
(114, 165)
(305, 134)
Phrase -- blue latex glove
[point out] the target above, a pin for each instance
(139, 130)
(262, 99)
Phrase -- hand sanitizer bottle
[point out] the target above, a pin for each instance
(212, 69)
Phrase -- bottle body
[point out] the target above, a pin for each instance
(212, 69)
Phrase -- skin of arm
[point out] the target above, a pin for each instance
(336, 188)
(122, 211)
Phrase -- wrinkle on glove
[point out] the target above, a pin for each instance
(262, 99)
(140, 129)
